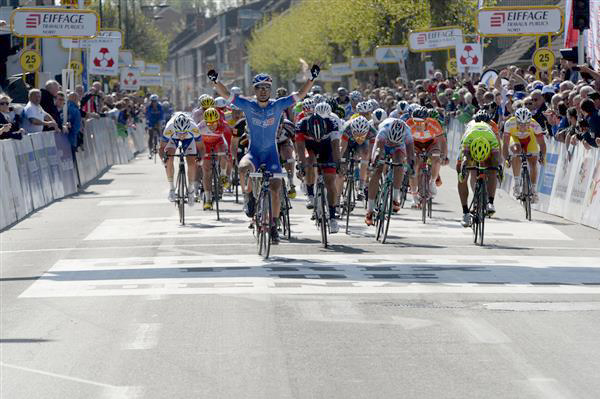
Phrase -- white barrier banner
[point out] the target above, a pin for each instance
(519, 21)
(435, 39)
(54, 22)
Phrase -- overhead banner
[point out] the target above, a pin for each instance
(130, 78)
(434, 39)
(390, 54)
(152, 69)
(363, 64)
(106, 37)
(54, 22)
(469, 58)
(341, 69)
(519, 21)
(150, 80)
(125, 58)
(104, 59)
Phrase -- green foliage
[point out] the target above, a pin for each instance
(334, 30)
(141, 34)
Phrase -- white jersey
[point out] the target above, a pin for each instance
(339, 123)
(384, 131)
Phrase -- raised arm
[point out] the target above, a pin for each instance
(220, 88)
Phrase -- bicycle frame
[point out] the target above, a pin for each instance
(385, 199)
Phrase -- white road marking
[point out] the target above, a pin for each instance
(482, 331)
(115, 193)
(316, 273)
(110, 391)
(113, 203)
(207, 226)
(145, 337)
(549, 387)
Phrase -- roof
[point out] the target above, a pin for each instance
(522, 51)
(202, 39)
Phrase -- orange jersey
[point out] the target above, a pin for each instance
(423, 130)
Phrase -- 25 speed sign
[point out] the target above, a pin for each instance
(30, 60)
(543, 59)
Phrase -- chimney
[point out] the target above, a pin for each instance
(200, 20)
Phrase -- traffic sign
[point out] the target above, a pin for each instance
(76, 66)
(364, 64)
(104, 59)
(451, 66)
(30, 60)
(130, 78)
(390, 54)
(154, 69)
(105, 36)
(543, 59)
(469, 56)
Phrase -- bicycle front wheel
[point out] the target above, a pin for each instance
(216, 189)
(285, 212)
(482, 211)
(381, 210)
(322, 204)
(526, 193)
(388, 213)
(266, 219)
(424, 194)
(404, 190)
(348, 200)
(181, 194)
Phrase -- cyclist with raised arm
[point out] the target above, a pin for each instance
(393, 139)
(263, 116)
(155, 117)
(522, 134)
(473, 149)
(181, 128)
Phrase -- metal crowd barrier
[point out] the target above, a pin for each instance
(39, 169)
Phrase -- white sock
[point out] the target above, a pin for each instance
(371, 205)
(396, 194)
(192, 186)
(171, 183)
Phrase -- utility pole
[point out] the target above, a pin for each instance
(119, 9)
(126, 25)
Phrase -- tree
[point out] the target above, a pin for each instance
(340, 29)
(141, 35)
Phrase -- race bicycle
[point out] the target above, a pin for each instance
(526, 196)
(216, 179)
(321, 206)
(181, 187)
(349, 194)
(263, 216)
(426, 201)
(384, 203)
(478, 207)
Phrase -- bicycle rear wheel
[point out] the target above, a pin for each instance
(285, 213)
(404, 190)
(526, 193)
(236, 182)
(388, 212)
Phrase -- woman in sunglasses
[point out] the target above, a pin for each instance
(10, 126)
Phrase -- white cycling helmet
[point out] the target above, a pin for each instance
(316, 89)
(220, 102)
(373, 104)
(154, 97)
(412, 108)
(398, 131)
(379, 115)
(308, 105)
(360, 126)
(323, 109)
(401, 106)
(523, 115)
(355, 95)
(235, 90)
(182, 123)
(318, 98)
(363, 107)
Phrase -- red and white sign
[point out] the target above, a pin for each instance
(469, 58)
(518, 21)
(104, 60)
(54, 22)
(434, 39)
(429, 70)
(130, 78)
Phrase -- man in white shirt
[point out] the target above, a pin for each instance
(34, 116)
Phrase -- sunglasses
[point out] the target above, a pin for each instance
(212, 123)
(528, 104)
(4, 103)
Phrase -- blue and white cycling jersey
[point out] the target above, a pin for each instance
(262, 124)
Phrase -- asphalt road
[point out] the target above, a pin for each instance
(104, 295)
